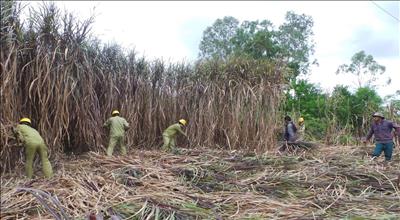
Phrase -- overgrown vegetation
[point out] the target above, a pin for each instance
(340, 117)
(234, 96)
(69, 82)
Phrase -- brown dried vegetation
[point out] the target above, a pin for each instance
(68, 83)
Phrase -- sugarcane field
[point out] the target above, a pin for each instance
(181, 110)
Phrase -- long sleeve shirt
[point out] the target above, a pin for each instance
(117, 126)
(382, 131)
(28, 135)
(301, 131)
(290, 132)
(172, 130)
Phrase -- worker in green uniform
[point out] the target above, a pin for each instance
(33, 142)
(301, 129)
(169, 135)
(117, 126)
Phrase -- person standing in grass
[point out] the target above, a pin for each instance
(382, 130)
(169, 135)
(117, 126)
(33, 143)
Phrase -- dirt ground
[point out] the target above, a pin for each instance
(331, 182)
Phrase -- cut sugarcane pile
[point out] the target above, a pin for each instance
(330, 182)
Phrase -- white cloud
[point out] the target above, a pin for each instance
(172, 29)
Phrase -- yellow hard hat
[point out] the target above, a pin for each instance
(115, 112)
(183, 121)
(25, 120)
(301, 119)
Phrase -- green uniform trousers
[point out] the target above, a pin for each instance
(114, 141)
(169, 143)
(30, 151)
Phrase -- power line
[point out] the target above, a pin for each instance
(384, 10)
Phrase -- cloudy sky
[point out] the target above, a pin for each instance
(173, 29)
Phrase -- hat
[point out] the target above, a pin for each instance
(378, 114)
(115, 112)
(25, 120)
(183, 121)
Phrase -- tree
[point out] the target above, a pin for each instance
(365, 101)
(217, 39)
(308, 101)
(341, 105)
(393, 106)
(295, 41)
(365, 68)
(255, 39)
(291, 43)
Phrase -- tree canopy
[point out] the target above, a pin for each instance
(291, 42)
(365, 68)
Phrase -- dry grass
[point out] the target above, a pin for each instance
(68, 83)
(333, 182)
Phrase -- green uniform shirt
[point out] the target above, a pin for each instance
(28, 135)
(172, 130)
(117, 126)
